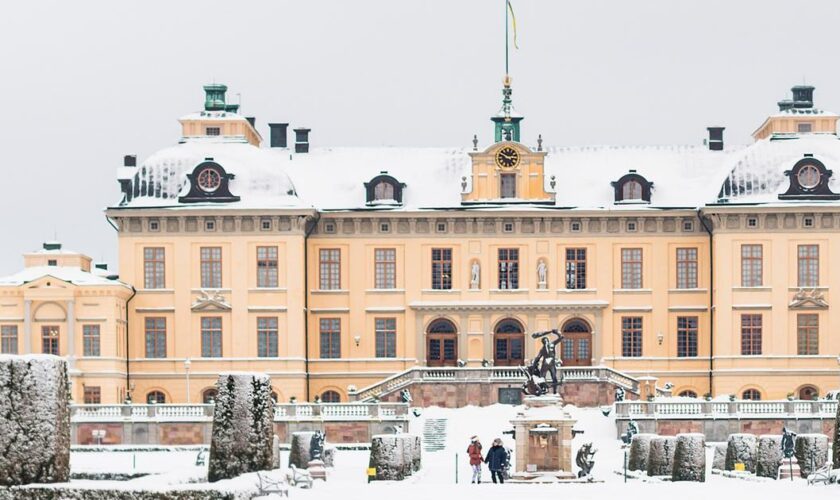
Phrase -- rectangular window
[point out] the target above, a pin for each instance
(155, 337)
(687, 336)
(330, 268)
(9, 339)
(631, 268)
(751, 334)
(330, 338)
(266, 267)
(385, 268)
(211, 337)
(267, 337)
(90, 340)
(807, 334)
(211, 267)
(153, 267)
(386, 338)
(508, 268)
(441, 269)
(575, 268)
(49, 340)
(93, 395)
(808, 265)
(213, 131)
(508, 185)
(631, 336)
(803, 127)
(751, 265)
(686, 268)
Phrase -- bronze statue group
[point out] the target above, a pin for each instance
(545, 364)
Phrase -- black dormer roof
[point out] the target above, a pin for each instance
(632, 176)
(395, 185)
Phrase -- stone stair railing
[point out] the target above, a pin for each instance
(423, 374)
(204, 412)
(724, 409)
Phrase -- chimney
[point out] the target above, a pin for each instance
(715, 138)
(130, 161)
(252, 120)
(102, 266)
(52, 245)
(302, 140)
(785, 104)
(803, 96)
(278, 134)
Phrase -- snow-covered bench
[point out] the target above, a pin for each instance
(269, 485)
(299, 477)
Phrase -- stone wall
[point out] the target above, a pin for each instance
(460, 394)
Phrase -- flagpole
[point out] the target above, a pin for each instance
(506, 36)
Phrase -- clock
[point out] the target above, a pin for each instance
(507, 157)
(209, 180)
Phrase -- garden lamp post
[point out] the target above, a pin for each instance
(187, 364)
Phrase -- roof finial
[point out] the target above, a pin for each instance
(475, 142)
(539, 142)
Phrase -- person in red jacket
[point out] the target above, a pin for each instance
(474, 451)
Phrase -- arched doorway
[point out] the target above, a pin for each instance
(155, 397)
(577, 343)
(441, 343)
(509, 343)
(208, 397)
(808, 393)
(330, 397)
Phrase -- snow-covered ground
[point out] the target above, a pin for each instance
(437, 478)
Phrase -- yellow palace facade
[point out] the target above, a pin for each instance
(708, 267)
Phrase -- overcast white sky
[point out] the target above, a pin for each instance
(83, 83)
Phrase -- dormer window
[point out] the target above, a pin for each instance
(632, 188)
(809, 181)
(209, 183)
(384, 190)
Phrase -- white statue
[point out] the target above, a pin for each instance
(475, 274)
(542, 272)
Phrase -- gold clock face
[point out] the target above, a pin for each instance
(507, 157)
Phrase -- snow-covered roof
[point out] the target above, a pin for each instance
(804, 112)
(333, 178)
(757, 174)
(74, 275)
(213, 115)
(162, 177)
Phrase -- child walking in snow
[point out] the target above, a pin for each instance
(474, 451)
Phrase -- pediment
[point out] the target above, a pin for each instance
(48, 281)
(808, 299)
(207, 301)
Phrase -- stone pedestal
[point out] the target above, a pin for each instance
(543, 433)
(787, 467)
(317, 469)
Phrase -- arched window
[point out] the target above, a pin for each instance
(577, 343)
(442, 343)
(751, 395)
(631, 190)
(208, 397)
(330, 397)
(808, 393)
(383, 190)
(155, 397)
(274, 396)
(687, 394)
(509, 343)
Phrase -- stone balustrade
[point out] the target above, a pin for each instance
(204, 412)
(718, 419)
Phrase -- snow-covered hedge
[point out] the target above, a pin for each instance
(660, 461)
(242, 426)
(836, 446)
(719, 458)
(34, 420)
(741, 448)
(639, 450)
(690, 458)
(395, 456)
(768, 455)
(811, 452)
(300, 454)
(79, 493)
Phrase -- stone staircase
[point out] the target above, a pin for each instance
(434, 434)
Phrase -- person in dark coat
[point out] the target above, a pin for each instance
(474, 451)
(496, 460)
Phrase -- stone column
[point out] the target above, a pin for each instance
(27, 327)
(420, 332)
(530, 350)
(71, 334)
(598, 337)
(486, 326)
(463, 334)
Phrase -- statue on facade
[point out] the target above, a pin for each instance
(405, 395)
(475, 275)
(585, 459)
(546, 361)
(316, 446)
(632, 430)
(542, 274)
